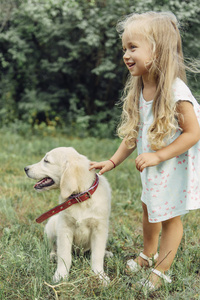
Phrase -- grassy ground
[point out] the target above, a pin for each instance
(25, 269)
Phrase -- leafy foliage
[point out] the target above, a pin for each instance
(61, 61)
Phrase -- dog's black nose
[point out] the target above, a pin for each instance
(26, 169)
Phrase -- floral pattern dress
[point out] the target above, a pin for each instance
(171, 188)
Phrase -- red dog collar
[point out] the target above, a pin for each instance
(70, 201)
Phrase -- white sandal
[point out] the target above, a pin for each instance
(150, 286)
(135, 267)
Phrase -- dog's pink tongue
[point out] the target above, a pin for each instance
(42, 182)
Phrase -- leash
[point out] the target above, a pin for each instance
(73, 199)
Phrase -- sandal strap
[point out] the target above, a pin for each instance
(162, 275)
(149, 259)
(134, 267)
(148, 284)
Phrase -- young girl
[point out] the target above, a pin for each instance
(161, 118)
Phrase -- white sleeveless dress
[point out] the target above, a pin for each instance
(171, 188)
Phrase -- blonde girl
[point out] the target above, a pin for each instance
(161, 119)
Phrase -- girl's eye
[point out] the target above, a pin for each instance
(124, 50)
(133, 47)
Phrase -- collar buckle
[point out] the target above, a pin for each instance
(78, 199)
(89, 194)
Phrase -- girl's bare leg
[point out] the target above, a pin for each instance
(172, 232)
(150, 235)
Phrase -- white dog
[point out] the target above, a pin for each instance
(83, 224)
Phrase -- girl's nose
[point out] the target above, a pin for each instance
(126, 55)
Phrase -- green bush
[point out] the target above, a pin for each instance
(62, 59)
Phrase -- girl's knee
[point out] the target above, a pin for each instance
(176, 221)
(173, 226)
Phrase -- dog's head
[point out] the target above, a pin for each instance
(62, 168)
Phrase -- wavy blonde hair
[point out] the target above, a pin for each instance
(161, 30)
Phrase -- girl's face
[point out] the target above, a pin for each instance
(137, 54)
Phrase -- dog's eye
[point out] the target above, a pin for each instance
(46, 161)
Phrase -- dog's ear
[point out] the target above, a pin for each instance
(73, 176)
(68, 183)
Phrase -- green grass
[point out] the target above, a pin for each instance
(25, 269)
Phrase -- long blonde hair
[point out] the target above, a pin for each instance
(161, 30)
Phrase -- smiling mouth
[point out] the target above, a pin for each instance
(45, 182)
(130, 65)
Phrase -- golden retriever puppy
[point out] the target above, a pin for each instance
(84, 224)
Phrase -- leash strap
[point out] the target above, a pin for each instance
(69, 202)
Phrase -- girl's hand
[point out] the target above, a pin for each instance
(104, 166)
(147, 160)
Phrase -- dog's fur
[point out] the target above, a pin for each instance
(83, 224)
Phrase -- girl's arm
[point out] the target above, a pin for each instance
(120, 155)
(189, 137)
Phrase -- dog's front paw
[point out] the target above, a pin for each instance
(108, 254)
(60, 275)
(104, 279)
(53, 256)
